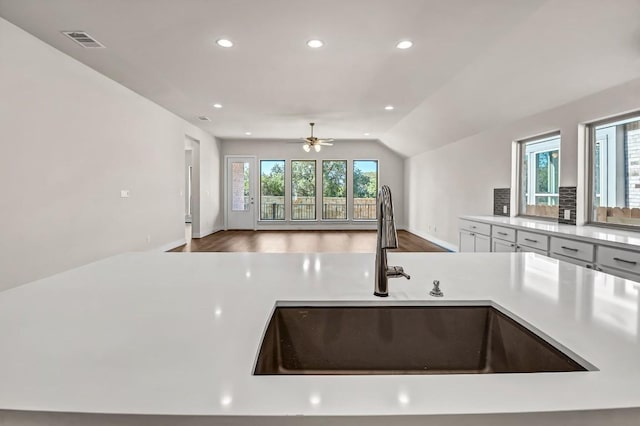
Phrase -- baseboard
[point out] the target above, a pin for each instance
(169, 246)
(205, 233)
(442, 243)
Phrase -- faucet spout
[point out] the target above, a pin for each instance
(387, 238)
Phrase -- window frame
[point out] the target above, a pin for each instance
(590, 142)
(521, 190)
(346, 189)
(284, 185)
(315, 186)
(353, 197)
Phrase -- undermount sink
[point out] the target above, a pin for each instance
(403, 340)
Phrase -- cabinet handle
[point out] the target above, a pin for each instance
(570, 248)
(630, 262)
(502, 233)
(472, 234)
(530, 240)
(512, 245)
(473, 227)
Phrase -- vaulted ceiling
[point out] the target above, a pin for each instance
(474, 64)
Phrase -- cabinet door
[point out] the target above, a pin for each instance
(483, 244)
(500, 246)
(467, 242)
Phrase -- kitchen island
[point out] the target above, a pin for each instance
(172, 338)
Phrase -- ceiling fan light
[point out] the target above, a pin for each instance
(317, 148)
(306, 147)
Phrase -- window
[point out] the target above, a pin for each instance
(240, 186)
(272, 190)
(615, 171)
(365, 189)
(539, 178)
(334, 189)
(303, 190)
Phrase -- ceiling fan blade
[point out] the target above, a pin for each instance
(325, 143)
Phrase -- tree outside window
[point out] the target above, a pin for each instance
(334, 189)
(365, 189)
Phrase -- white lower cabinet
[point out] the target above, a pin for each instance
(596, 254)
(467, 242)
(483, 244)
(472, 242)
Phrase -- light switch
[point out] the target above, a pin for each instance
(567, 214)
(124, 193)
(504, 209)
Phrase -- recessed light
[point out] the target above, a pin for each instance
(389, 107)
(404, 44)
(223, 42)
(314, 44)
(366, 134)
(247, 133)
(217, 106)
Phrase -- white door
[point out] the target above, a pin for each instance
(240, 193)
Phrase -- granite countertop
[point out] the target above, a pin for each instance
(178, 334)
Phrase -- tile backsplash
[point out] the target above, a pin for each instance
(568, 196)
(501, 198)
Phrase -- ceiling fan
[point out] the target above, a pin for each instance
(315, 143)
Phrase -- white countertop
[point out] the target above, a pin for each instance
(178, 333)
(594, 234)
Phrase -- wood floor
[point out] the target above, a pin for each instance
(302, 242)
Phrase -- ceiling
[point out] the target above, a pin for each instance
(474, 64)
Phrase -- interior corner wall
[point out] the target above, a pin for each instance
(458, 178)
(72, 139)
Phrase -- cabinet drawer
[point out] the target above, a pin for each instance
(530, 239)
(525, 249)
(477, 227)
(501, 246)
(507, 234)
(621, 274)
(576, 249)
(578, 262)
(619, 259)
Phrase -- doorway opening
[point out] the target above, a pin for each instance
(191, 189)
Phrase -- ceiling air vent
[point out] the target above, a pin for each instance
(204, 118)
(83, 39)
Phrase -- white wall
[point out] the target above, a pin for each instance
(71, 140)
(459, 178)
(390, 168)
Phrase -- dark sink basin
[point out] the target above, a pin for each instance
(403, 340)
